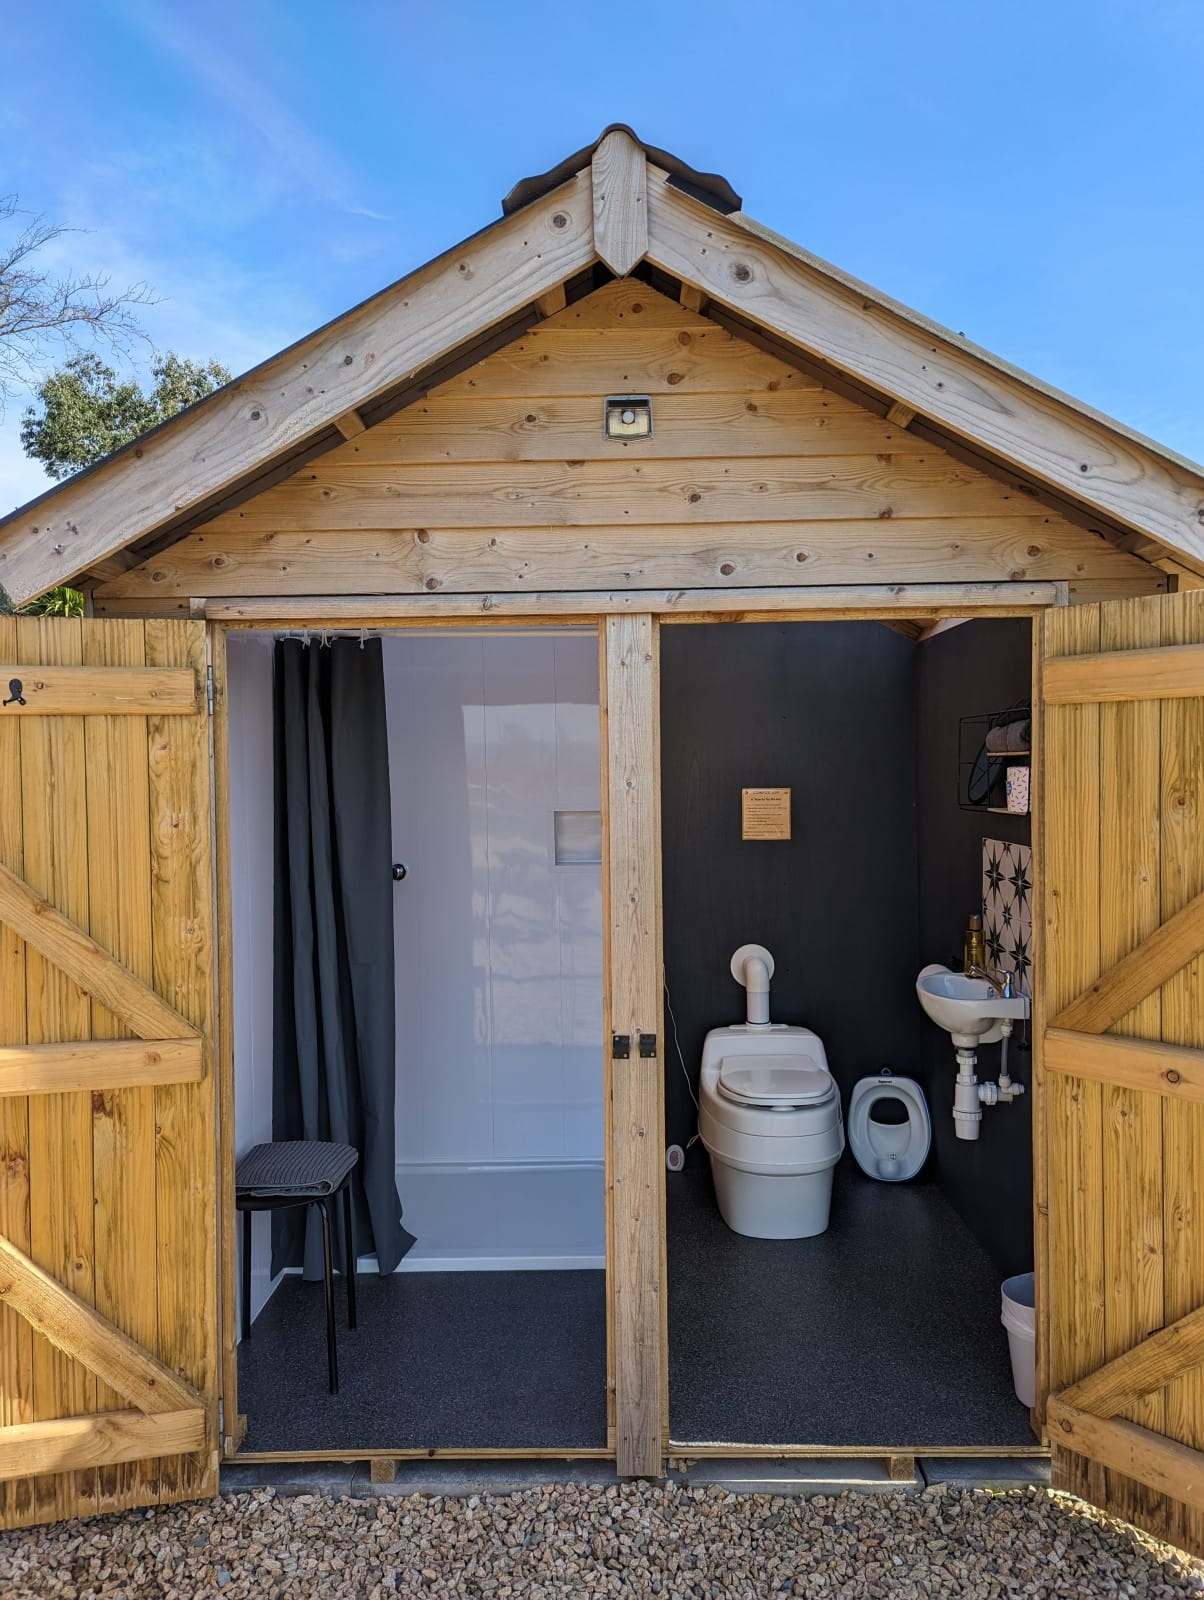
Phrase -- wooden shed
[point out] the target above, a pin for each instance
(790, 512)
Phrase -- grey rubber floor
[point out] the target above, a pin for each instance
(882, 1331)
(471, 1360)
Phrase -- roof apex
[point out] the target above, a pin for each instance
(709, 187)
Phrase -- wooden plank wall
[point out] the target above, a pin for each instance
(1123, 828)
(501, 479)
(110, 1190)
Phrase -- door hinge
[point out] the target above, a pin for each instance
(647, 1046)
(620, 1046)
(209, 689)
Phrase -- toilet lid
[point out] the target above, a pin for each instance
(773, 1080)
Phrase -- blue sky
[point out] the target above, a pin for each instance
(1027, 173)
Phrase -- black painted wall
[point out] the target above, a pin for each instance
(829, 710)
(881, 875)
(977, 667)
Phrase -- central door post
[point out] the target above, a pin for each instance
(630, 697)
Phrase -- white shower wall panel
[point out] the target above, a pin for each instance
(249, 697)
(499, 998)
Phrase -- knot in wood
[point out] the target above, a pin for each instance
(742, 272)
(1172, 1076)
(560, 219)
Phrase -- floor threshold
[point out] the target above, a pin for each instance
(774, 1475)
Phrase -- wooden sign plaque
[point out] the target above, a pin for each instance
(765, 813)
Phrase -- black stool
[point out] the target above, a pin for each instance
(299, 1172)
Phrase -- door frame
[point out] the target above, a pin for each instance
(234, 1422)
(982, 611)
(638, 1435)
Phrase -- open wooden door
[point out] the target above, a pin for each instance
(108, 1325)
(1121, 1080)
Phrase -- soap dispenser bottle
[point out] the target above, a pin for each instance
(974, 949)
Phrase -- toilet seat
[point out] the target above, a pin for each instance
(770, 1119)
(890, 1152)
(783, 1082)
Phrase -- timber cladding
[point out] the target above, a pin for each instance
(107, 1174)
(501, 480)
(1123, 1109)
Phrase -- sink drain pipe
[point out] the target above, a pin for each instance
(969, 1096)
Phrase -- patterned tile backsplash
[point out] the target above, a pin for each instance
(1007, 909)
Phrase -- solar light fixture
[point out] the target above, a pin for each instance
(627, 416)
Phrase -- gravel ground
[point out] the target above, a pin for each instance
(582, 1541)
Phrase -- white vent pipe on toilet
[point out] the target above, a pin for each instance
(752, 966)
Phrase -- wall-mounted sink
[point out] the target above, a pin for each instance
(968, 1008)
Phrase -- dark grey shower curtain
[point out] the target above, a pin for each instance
(334, 1067)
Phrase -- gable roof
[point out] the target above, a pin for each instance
(619, 211)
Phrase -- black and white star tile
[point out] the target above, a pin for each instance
(1007, 917)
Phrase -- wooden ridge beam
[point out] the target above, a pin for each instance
(1174, 1070)
(69, 1443)
(1142, 971)
(81, 1332)
(295, 396)
(1147, 1366)
(779, 287)
(1171, 672)
(849, 600)
(76, 953)
(1167, 1467)
(27, 691)
(99, 1064)
(619, 178)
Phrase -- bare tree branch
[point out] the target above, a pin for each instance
(44, 316)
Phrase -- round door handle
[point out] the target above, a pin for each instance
(399, 871)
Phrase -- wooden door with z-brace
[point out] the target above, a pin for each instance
(1121, 1066)
(108, 1325)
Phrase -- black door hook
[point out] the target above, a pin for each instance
(15, 695)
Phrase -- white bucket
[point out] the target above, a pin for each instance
(1020, 1320)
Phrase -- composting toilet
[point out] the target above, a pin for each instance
(769, 1117)
(889, 1127)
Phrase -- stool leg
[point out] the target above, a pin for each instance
(332, 1360)
(246, 1273)
(349, 1255)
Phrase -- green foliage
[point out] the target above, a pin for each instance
(83, 412)
(60, 602)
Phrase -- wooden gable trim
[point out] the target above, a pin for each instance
(619, 179)
(737, 263)
(298, 394)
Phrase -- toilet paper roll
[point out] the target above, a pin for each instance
(1017, 790)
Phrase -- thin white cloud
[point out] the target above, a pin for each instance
(308, 161)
